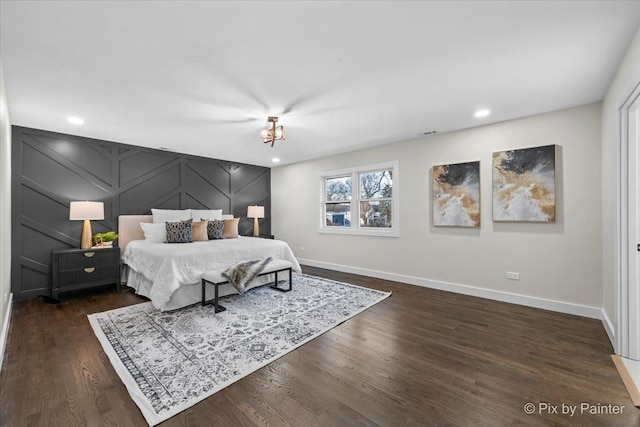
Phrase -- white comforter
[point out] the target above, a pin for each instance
(171, 265)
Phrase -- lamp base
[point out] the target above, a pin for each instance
(256, 227)
(85, 240)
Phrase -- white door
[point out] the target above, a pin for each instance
(628, 263)
(634, 219)
(633, 253)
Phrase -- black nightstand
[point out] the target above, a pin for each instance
(266, 236)
(76, 269)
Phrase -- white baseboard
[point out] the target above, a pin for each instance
(5, 329)
(610, 330)
(529, 301)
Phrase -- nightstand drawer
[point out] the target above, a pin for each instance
(88, 275)
(97, 258)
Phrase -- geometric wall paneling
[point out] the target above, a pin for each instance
(243, 177)
(43, 209)
(35, 282)
(249, 187)
(216, 174)
(79, 154)
(39, 253)
(59, 175)
(50, 169)
(139, 164)
(205, 193)
(156, 186)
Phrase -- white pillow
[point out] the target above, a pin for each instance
(227, 216)
(170, 215)
(154, 232)
(197, 215)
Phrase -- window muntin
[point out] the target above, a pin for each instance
(376, 201)
(361, 200)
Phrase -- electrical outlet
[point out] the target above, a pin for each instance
(513, 276)
(302, 249)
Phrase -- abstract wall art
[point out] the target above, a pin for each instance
(524, 185)
(456, 195)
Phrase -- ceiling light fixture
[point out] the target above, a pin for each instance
(276, 160)
(482, 113)
(273, 133)
(75, 120)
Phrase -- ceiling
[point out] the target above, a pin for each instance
(202, 77)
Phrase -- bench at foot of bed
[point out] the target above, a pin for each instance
(216, 278)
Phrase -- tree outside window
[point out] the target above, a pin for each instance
(365, 194)
(376, 190)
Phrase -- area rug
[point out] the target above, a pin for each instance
(170, 361)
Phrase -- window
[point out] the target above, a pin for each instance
(361, 200)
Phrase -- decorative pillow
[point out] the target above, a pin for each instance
(230, 228)
(212, 214)
(154, 232)
(164, 215)
(180, 232)
(200, 231)
(227, 216)
(215, 229)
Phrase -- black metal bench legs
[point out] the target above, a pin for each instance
(275, 283)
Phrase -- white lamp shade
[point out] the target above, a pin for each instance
(255, 212)
(86, 210)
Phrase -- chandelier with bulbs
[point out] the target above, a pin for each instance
(273, 132)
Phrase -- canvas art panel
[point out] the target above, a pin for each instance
(456, 195)
(524, 184)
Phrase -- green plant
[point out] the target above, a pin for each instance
(109, 236)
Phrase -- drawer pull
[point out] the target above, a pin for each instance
(89, 254)
(89, 270)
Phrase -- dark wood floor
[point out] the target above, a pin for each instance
(421, 357)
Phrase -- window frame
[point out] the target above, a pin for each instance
(356, 228)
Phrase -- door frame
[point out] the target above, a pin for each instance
(627, 287)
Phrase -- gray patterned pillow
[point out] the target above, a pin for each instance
(215, 227)
(179, 232)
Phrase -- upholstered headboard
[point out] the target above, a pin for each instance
(129, 229)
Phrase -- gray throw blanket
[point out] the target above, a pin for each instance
(243, 272)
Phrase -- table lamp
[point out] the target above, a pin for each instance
(255, 212)
(86, 211)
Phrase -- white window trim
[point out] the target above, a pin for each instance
(355, 229)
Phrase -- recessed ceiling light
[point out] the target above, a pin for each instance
(482, 113)
(275, 160)
(75, 120)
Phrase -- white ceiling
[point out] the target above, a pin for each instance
(202, 77)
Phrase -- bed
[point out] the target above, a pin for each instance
(169, 273)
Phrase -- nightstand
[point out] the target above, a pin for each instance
(76, 269)
(266, 236)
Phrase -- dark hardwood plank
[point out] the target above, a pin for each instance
(421, 357)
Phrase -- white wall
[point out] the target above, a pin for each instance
(5, 214)
(559, 262)
(610, 138)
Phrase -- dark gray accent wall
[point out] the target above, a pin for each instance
(50, 169)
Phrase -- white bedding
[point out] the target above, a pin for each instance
(168, 267)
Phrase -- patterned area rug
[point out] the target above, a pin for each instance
(170, 361)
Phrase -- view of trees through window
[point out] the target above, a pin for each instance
(374, 202)
(338, 191)
(375, 198)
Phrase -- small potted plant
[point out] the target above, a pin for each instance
(105, 239)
